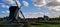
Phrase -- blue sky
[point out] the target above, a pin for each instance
(31, 9)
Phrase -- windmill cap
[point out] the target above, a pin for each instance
(13, 7)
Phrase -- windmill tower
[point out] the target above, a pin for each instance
(13, 13)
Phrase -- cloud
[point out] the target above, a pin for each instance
(50, 1)
(8, 11)
(53, 4)
(4, 6)
(38, 3)
(54, 7)
(1, 3)
(50, 4)
(25, 3)
(53, 14)
(33, 14)
(13, 2)
(9, 1)
(5, 12)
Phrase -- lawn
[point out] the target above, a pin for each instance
(33, 25)
(45, 25)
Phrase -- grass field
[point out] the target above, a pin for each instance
(33, 25)
(44, 25)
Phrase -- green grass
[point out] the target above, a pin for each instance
(45, 25)
(11, 25)
(34, 24)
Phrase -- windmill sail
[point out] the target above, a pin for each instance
(19, 6)
(18, 3)
(22, 14)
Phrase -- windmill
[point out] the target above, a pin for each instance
(14, 12)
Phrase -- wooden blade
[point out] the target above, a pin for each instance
(16, 2)
(20, 8)
(22, 14)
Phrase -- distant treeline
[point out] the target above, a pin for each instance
(45, 18)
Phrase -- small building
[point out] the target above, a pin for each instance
(46, 18)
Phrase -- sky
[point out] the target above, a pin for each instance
(32, 8)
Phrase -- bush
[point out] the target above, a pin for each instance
(34, 23)
(11, 25)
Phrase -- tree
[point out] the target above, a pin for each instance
(46, 17)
